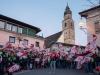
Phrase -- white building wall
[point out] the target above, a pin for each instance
(92, 18)
(61, 38)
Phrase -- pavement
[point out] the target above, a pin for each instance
(57, 72)
(95, 71)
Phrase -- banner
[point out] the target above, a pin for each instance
(37, 59)
(7, 45)
(14, 68)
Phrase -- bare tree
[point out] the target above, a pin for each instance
(19, 37)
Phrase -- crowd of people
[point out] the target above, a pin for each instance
(53, 61)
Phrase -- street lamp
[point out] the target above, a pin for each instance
(81, 27)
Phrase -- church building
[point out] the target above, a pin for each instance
(66, 37)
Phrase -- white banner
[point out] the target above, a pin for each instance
(14, 68)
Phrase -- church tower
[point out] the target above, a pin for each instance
(68, 27)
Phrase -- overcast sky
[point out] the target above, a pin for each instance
(47, 14)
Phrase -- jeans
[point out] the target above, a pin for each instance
(58, 64)
(64, 63)
(73, 65)
(91, 68)
(1, 69)
(53, 66)
(98, 63)
(68, 64)
(87, 67)
(61, 63)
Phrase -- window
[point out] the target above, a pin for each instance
(2, 24)
(97, 27)
(71, 25)
(19, 29)
(30, 32)
(37, 44)
(24, 30)
(25, 42)
(8, 26)
(65, 25)
(14, 28)
(11, 39)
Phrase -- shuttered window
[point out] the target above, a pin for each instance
(97, 27)
(31, 32)
(24, 30)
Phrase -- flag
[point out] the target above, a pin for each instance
(38, 49)
(86, 59)
(22, 54)
(72, 52)
(79, 61)
(87, 54)
(79, 65)
(13, 68)
(25, 46)
(78, 48)
(37, 59)
(15, 48)
(43, 61)
(92, 44)
(32, 45)
(7, 45)
(19, 54)
(60, 46)
(94, 37)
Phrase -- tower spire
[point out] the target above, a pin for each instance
(67, 10)
(67, 3)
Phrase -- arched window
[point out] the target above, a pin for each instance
(65, 25)
(71, 25)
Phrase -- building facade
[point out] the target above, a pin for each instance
(92, 17)
(17, 32)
